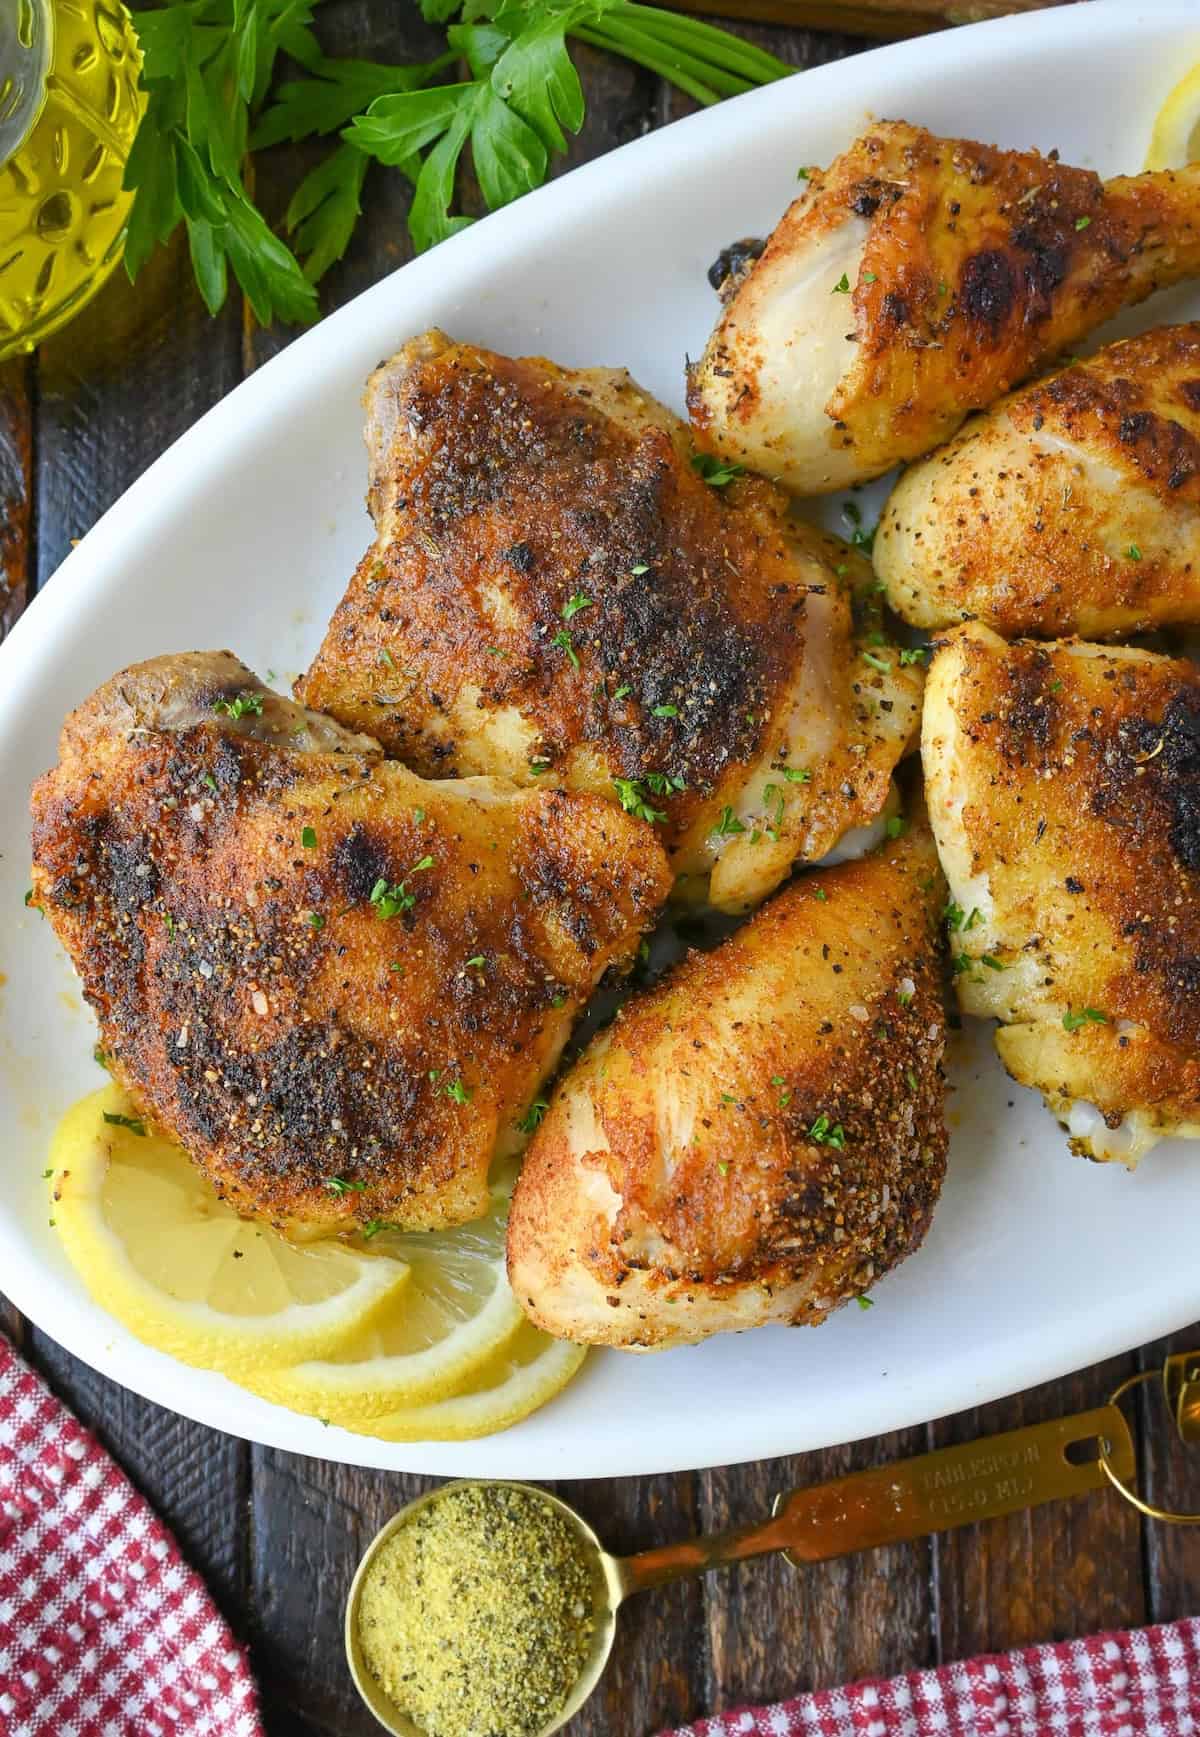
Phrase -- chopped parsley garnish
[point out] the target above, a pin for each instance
(532, 1118)
(373, 1227)
(876, 662)
(961, 962)
(865, 1302)
(904, 997)
(727, 825)
(458, 1092)
(632, 797)
(913, 654)
(28, 897)
(717, 472)
(240, 705)
(820, 893)
(796, 774)
(100, 1058)
(803, 174)
(663, 783)
(910, 1079)
(340, 1185)
(308, 838)
(169, 920)
(826, 1135)
(1133, 552)
(211, 782)
(723, 1168)
(842, 286)
(622, 691)
(773, 794)
(859, 539)
(1089, 1016)
(665, 711)
(478, 959)
(562, 639)
(133, 1123)
(389, 901)
(642, 567)
(1082, 222)
(574, 604)
(992, 963)
(315, 920)
(495, 651)
(896, 826)
(386, 657)
(728, 1098)
(557, 999)
(957, 918)
(868, 277)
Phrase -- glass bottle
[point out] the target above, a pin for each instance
(69, 110)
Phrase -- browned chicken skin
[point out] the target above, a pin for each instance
(962, 270)
(760, 1136)
(1071, 507)
(1064, 790)
(338, 986)
(555, 595)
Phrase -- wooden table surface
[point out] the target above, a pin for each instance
(277, 1536)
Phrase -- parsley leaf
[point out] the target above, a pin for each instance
(133, 1123)
(208, 73)
(532, 1118)
(727, 825)
(717, 472)
(240, 705)
(632, 798)
(562, 639)
(1089, 1016)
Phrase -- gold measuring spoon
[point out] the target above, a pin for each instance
(932, 1492)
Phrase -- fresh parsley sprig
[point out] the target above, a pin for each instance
(208, 73)
(206, 66)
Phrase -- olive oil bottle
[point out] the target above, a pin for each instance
(69, 109)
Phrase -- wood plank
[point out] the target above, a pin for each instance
(656, 1676)
(16, 487)
(1048, 1574)
(137, 366)
(13, 1324)
(310, 1522)
(1170, 1479)
(775, 1629)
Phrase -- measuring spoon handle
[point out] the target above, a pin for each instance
(932, 1492)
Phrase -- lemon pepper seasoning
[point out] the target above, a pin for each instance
(476, 1616)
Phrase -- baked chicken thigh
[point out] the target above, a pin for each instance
(760, 1136)
(914, 280)
(1063, 783)
(556, 595)
(336, 985)
(1071, 507)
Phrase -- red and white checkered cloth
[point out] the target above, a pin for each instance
(1137, 1683)
(104, 1629)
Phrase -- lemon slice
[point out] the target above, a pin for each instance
(456, 1312)
(156, 1247)
(530, 1369)
(1176, 136)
